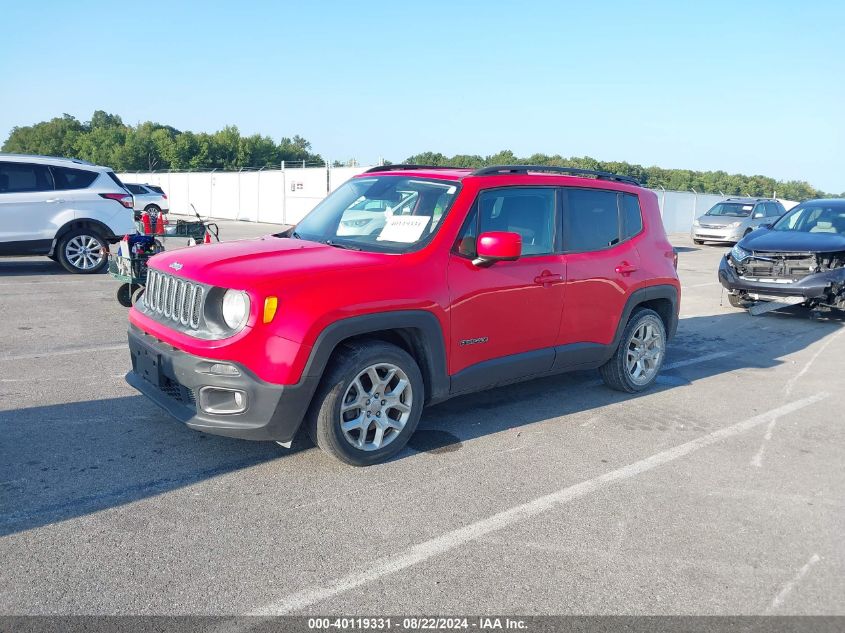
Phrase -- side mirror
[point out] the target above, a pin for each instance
(497, 246)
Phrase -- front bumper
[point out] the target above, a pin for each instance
(815, 286)
(174, 380)
(716, 234)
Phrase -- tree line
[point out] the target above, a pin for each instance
(148, 146)
(717, 182)
(107, 140)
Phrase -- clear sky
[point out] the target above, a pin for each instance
(752, 87)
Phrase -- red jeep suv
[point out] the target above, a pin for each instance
(407, 286)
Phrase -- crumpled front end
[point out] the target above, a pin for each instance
(818, 278)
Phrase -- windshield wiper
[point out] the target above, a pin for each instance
(339, 245)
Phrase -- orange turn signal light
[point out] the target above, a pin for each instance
(270, 306)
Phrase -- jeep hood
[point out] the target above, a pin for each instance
(247, 264)
(793, 242)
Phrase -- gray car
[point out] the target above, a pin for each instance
(149, 198)
(734, 218)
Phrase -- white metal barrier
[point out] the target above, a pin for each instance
(285, 196)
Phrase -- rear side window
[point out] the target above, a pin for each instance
(67, 178)
(116, 180)
(773, 209)
(592, 219)
(155, 188)
(136, 189)
(632, 217)
(24, 177)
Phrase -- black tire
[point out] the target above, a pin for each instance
(124, 295)
(615, 371)
(88, 236)
(738, 302)
(323, 421)
(699, 242)
(136, 294)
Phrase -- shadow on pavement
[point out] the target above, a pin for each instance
(69, 460)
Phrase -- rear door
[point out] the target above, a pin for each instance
(505, 317)
(27, 206)
(600, 236)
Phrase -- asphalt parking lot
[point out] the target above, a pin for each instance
(718, 492)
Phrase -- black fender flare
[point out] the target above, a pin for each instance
(66, 228)
(644, 295)
(429, 344)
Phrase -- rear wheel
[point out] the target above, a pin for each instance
(124, 295)
(637, 361)
(368, 404)
(82, 251)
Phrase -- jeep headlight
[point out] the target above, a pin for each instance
(235, 308)
(738, 253)
(696, 223)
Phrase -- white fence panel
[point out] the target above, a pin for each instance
(271, 196)
(304, 188)
(285, 196)
(339, 175)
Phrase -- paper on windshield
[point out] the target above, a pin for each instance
(404, 228)
(747, 207)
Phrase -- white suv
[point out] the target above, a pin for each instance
(66, 209)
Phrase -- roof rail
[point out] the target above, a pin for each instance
(378, 168)
(78, 161)
(569, 171)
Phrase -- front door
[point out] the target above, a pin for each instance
(505, 317)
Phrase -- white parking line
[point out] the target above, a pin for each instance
(65, 352)
(64, 283)
(757, 460)
(788, 587)
(455, 538)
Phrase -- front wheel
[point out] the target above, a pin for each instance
(738, 301)
(368, 404)
(636, 363)
(82, 251)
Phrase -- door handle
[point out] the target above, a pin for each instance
(625, 268)
(55, 200)
(547, 278)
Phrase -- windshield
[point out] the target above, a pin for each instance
(382, 213)
(812, 217)
(737, 209)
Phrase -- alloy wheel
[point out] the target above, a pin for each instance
(84, 252)
(645, 353)
(376, 406)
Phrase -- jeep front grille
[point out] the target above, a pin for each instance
(178, 300)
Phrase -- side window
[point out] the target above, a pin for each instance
(592, 219)
(528, 211)
(67, 178)
(138, 190)
(774, 210)
(23, 178)
(632, 217)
